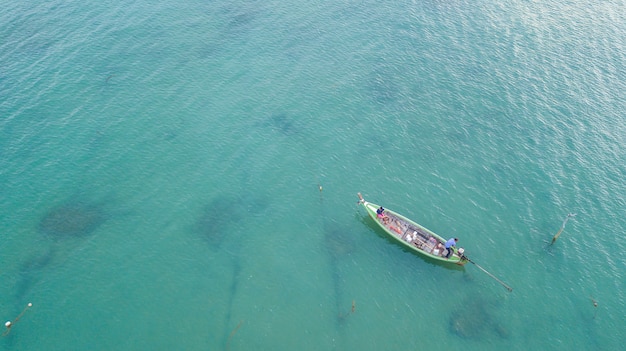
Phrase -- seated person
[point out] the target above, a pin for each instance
(380, 213)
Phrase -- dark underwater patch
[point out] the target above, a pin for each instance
(30, 271)
(72, 219)
(339, 243)
(217, 219)
(222, 217)
(283, 124)
(475, 319)
(381, 84)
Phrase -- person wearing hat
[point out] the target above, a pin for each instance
(449, 246)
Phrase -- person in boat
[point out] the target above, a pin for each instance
(380, 213)
(450, 246)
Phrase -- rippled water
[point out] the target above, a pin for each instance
(161, 163)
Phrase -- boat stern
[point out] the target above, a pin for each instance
(462, 258)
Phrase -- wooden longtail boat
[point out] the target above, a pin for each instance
(413, 235)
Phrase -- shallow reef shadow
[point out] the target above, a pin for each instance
(476, 319)
(283, 124)
(30, 269)
(212, 224)
(382, 86)
(339, 244)
(338, 247)
(72, 219)
(221, 223)
(222, 218)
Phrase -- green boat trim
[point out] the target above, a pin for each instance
(412, 235)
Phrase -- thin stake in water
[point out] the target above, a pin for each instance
(352, 310)
(595, 305)
(233, 334)
(556, 236)
(9, 324)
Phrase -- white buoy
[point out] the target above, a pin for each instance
(9, 324)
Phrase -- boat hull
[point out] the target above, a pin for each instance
(412, 235)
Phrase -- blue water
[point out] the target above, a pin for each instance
(160, 166)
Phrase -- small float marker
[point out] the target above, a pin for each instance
(9, 324)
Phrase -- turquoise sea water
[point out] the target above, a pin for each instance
(160, 165)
